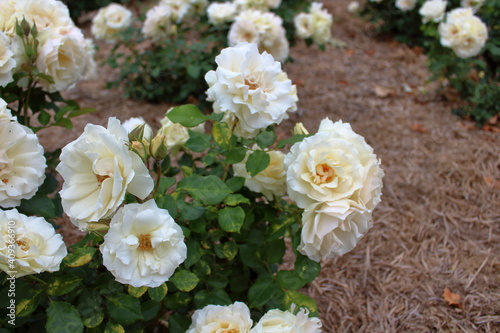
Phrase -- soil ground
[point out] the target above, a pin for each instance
(438, 225)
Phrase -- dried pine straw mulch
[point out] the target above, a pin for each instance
(438, 225)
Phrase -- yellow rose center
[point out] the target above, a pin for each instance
(5, 181)
(225, 328)
(251, 83)
(23, 245)
(324, 174)
(101, 178)
(145, 242)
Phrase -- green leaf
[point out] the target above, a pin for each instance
(261, 291)
(80, 112)
(236, 155)
(150, 309)
(278, 227)
(265, 139)
(184, 280)
(89, 307)
(79, 257)
(112, 327)
(123, 308)
(215, 297)
(194, 252)
(198, 142)
(216, 116)
(301, 301)
(193, 71)
(236, 199)
(187, 115)
(29, 302)
(178, 323)
(210, 190)
(290, 141)
(44, 117)
(158, 294)
(228, 250)
(257, 162)
(306, 268)
(275, 251)
(167, 202)
(235, 183)
(136, 291)
(177, 300)
(222, 134)
(231, 219)
(60, 285)
(40, 204)
(290, 280)
(250, 255)
(63, 317)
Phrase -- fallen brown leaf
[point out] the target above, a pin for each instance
(343, 82)
(370, 52)
(493, 120)
(489, 128)
(452, 298)
(384, 92)
(418, 128)
(492, 182)
(349, 52)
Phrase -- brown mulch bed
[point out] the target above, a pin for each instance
(438, 225)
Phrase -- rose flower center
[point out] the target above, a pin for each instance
(23, 245)
(251, 82)
(145, 242)
(226, 328)
(324, 174)
(101, 178)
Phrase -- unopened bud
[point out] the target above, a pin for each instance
(158, 147)
(98, 226)
(300, 129)
(137, 134)
(140, 148)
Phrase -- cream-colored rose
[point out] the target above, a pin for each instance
(353, 7)
(463, 32)
(7, 10)
(110, 20)
(159, 23)
(221, 12)
(144, 245)
(332, 228)
(176, 135)
(28, 244)
(22, 164)
(271, 182)
(7, 61)
(322, 23)
(180, 9)
(98, 169)
(5, 113)
(304, 25)
(252, 86)
(406, 5)
(277, 321)
(65, 57)
(433, 10)
(264, 28)
(263, 5)
(331, 165)
(234, 318)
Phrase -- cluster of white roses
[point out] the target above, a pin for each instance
(315, 24)
(143, 245)
(32, 246)
(236, 318)
(334, 175)
(62, 53)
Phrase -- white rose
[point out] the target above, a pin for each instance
(7, 61)
(175, 134)
(332, 228)
(463, 32)
(433, 10)
(252, 86)
(131, 123)
(322, 23)
(221, 12)
(5, 113)
(22, 164)
(271, 181)
(263, 5)
(180, 9)
(37, 247)
(144, 245)
(234, 318)
(159, 23)
(406, 5)
(7, 10)
(264, 28)
(110, 20)
(277, 321)
(45, 14)
(98, 169)
(65, 57)
(304, 25)
(474, 4)
(353, 7)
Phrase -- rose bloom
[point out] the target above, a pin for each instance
(463, 32)
(144, 245)
(264, 28)
(277, 321)
(333, 228)
(304, 25)
(131, 123)
(180, 9)
(98, 169)
(7, 61)
(234, 318)
(221, 12)
(406, 5)
(474, 4)
(110, 20)
(65, 57)
(159, 24)
(38, 248)
(7, 10)
(5, 113)
(322, 23)
(271, 181)
(22, 164)
(176, 135)
(263, 5)
(252, 86)
(433, 10)
(353, 7)
(335, 163)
